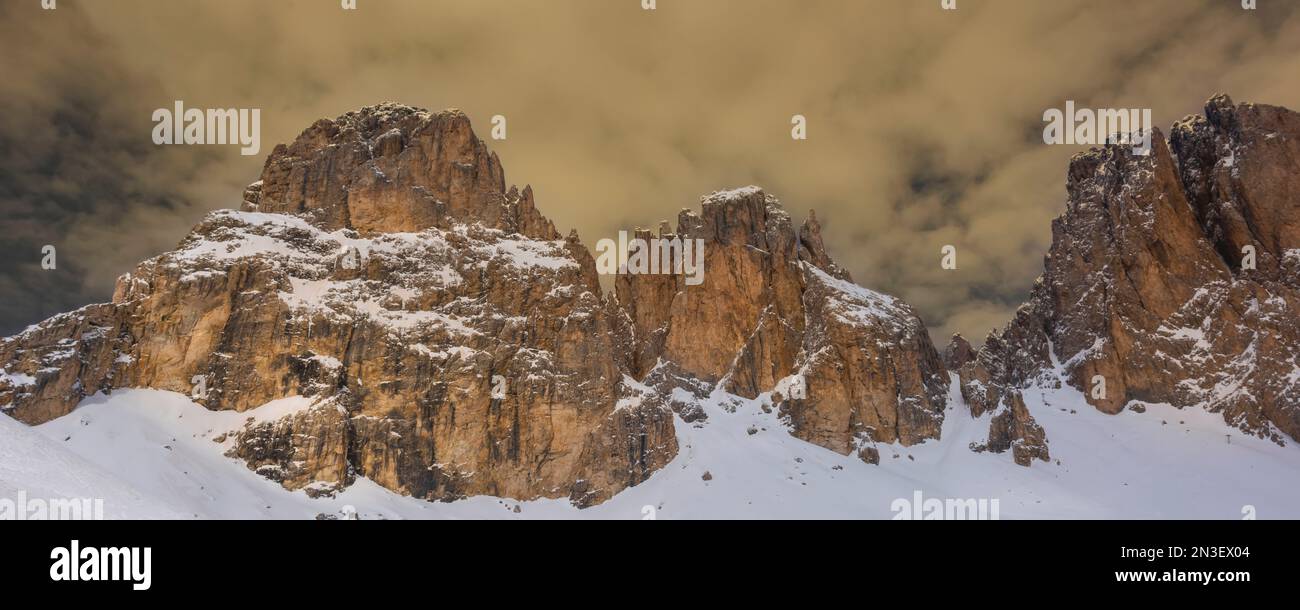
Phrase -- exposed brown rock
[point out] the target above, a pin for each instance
(381, 270)
(300, 451)
(1237, 165)
(49, 368)
(870, 371)
(452, 344)
(1015, 429)
(1144, 286)
(958, 353)
(400, 337)
(773, 306)
(391, 168)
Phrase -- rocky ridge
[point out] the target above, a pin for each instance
(1149, 293)
(448, 343)
(846, 367)
(433, 332)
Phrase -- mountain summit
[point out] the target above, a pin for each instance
(384, 308)
(408, 319)
(1173, 278)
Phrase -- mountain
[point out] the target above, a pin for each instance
(1150, 294)
(384, 317)
(452, 344)
(849, 367)
(351, 277)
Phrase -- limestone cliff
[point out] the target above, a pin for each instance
(455, 345)
(1172, 278)
(439, 337)
(846, 366)
(450, 343)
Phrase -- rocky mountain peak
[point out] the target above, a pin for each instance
(1235, 164)
(404, 316)
(433, 333)
(958, 352)
(846, 367)
(1172, 278)
(392, 168)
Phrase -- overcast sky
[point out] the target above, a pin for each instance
(924, 125)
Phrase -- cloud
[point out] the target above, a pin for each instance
(923, 123)
(71, 158)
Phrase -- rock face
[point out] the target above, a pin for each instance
(958, 353)
(49, 368)
(847, 366)
(384, 307)
(392, 168)
(432, 332)
(1149, 293)
(452, 343)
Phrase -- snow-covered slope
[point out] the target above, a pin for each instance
(155, 456)
(38, 466)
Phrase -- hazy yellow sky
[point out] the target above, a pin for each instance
(924, 124)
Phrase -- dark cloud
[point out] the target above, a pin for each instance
(923, 128)
(70, 151)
